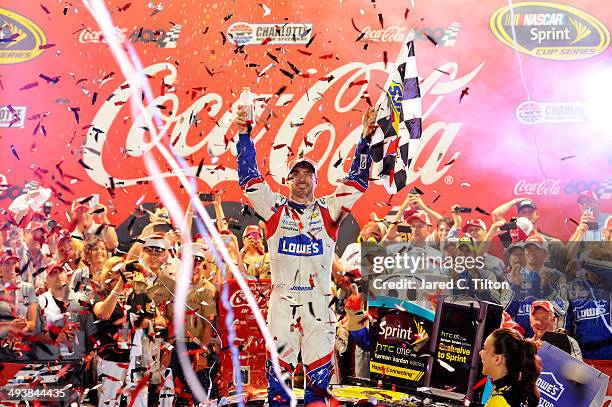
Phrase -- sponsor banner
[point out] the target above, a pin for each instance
(558, 391)
(399, 340)
(91, 36)
(544, 187)
(394, 33)
(12, 116)
(550, 30)
(531, 112)
(20, 38)
(243, 33)
(248, 337)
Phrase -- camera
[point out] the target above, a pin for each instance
(462, 209)
(207, 197)
(404, 229)
(508, 226)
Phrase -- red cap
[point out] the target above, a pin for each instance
(474, 222)
(541, 304)
(252, 229)
(587, 194)
(415, 214)
(509, 323)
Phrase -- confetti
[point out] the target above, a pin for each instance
(567, 157)
(14, 151)
(380, 20)
(480, 210)
(53, 80)
(45, 9)
(266, 9)
(11, 38)
(46, 46)
(431, 39)
(464, 92)
(29, 86)
(311, 40)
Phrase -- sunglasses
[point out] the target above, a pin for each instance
(154, 249)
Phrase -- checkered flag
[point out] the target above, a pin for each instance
(396, 140)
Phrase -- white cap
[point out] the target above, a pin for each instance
(156, 241)
(197, 250)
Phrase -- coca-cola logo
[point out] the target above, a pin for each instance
(394, 33)
(436, 138)
(544, 187)
(87, 36)
(238, 299)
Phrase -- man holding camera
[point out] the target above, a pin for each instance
(301, 232)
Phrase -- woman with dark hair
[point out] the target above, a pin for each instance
(512, 362)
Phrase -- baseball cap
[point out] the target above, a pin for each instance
(585, 195)
(156, 241)
(474, 222)
(525, 203)
(541, 304)
(303, 161)
(9, 256)
(197, 250)
(515, 245)
(32, 226)
(251, 229)
(466, 241)
(537, 241)
(416, 214)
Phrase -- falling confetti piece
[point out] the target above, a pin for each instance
(29, 86)
(266, 9)
(11, 38)
(49, 79)
(45, 9)
(464, 92)
(380, 20)
(46, 46)
(567, 157)
(14, 151)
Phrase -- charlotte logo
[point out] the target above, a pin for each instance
(300, 245)
(21, 37)
(550, 31)
(550, 386)
(12, 116)
(531, 112)
(241, 33)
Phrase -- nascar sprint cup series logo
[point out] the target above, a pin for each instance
(550, 31)
(241, 33)
(20, 38)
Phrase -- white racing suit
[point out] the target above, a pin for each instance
(301, 241)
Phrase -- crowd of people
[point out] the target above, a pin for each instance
(69, 298)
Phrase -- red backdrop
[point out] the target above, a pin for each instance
(477, 151)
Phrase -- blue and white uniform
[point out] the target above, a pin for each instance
(301, 241)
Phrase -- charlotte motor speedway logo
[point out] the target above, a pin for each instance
(550, 31)
(243, 33)
(22, 39)
(531, 112)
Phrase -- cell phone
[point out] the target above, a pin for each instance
(162, 227)
(95, 200)
(593, 225)
(463, 209)
(47, 208)
(227, 239)
(207, 197)
(404, 229)
(508, 226)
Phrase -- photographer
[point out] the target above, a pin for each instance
(592, 226)
(85, 225)
(527, 208)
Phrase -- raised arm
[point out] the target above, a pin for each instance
(250, 179)
(499, 212)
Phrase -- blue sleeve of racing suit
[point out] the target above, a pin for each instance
(247, 159)
(360, 168)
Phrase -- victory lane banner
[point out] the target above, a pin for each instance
(399, 338)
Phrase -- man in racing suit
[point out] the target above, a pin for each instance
(301, 232)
